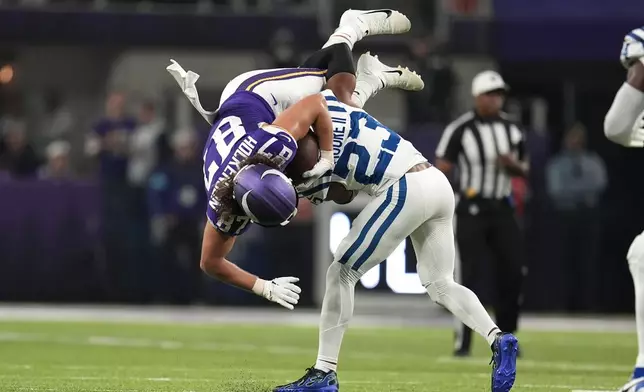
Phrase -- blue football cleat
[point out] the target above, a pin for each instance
(314, 380)
(504, 362)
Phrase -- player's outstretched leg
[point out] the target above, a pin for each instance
(372, 76)
(635, 258)
(434, 246)
(335, 56)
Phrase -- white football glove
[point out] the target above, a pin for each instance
(279, 290)
(325, 164)
(632, 48)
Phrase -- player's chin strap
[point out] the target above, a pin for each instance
(187, 81)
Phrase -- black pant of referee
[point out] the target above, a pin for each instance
(488, 149)
(489, 227)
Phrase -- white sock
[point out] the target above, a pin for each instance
(465, 305)
(366, 87)
(636, 266)
(491, 336)
(344, 35)
(337, 310)
(434, 246)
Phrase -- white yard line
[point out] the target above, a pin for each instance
(408, 316)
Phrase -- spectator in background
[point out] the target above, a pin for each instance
(17, 156)
(109, 140)
(575, 180)
(176, 203)
(57, 166)
(434, 102)
(144, 145)
(109, 143)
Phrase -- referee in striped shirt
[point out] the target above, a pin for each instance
(488, 149)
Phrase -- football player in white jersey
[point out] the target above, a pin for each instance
(410, 198)
(624, 124)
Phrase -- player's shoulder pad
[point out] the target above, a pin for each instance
(276, 130)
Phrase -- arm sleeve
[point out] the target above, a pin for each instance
(627, 106)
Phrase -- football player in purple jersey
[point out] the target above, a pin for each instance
(261, 116)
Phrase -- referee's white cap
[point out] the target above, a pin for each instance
(486, 82)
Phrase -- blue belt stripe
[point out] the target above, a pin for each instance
(365, 230)
(402, 195)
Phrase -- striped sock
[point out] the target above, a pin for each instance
(343, 35)
(491, 336)
(326, 366)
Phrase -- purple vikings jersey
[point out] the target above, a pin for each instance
(241, 129)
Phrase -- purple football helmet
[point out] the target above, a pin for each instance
(266, 195)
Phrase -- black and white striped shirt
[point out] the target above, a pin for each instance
(474, 144)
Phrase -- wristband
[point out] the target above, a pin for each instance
(258, 287)
(326, 155)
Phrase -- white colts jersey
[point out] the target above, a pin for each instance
(368, 156)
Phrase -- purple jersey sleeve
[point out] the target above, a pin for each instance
(230, 143)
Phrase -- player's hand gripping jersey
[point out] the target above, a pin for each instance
(368, 156)
(238, 133)
(633, 47)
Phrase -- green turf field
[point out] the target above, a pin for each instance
(177, 357)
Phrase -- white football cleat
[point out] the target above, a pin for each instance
(377, 22)
(370, 66)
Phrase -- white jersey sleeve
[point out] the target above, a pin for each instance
(624, 121)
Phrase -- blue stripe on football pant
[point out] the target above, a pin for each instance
(400, 202)
(365, 230)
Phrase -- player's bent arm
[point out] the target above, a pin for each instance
(340, 195)
(627, 106)
(215, 248)
(310, 111)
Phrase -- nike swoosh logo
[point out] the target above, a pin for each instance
(399, 72)
(275, 99)
(388, 12)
